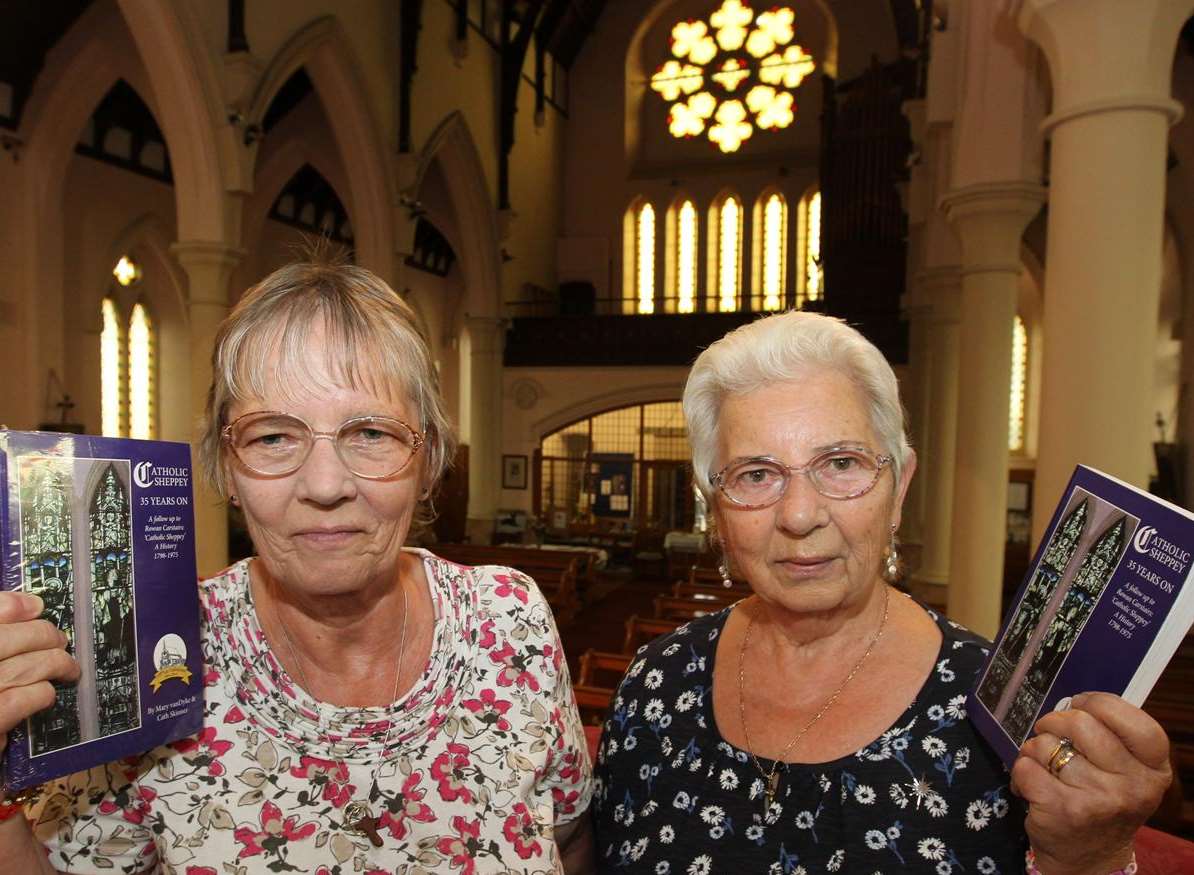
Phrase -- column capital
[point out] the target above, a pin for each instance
(942, 286)
(932, 287)
(194, 253)
(209, 265)
(487, 334)
(1106, 55)
(990, 218)
(485, 323)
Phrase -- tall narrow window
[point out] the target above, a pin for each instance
(730, 245)
(644, 268)
(140, 374)
(771, 226)
(1018, 396)
(111, 382)
(812, 286)
(725, 262)
(686, 257)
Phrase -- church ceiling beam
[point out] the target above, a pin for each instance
(410, 24)
(238, 40)
(518, 27)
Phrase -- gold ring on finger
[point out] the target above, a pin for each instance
(1061, 756)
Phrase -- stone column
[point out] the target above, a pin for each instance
(918, 401)
(990, 219)
(209, 266)
(1111, 64)
(940, 287)
(486, 341)
(917, 197)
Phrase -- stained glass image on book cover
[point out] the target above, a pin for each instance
(65, 502)
(1104, 605)
(1061, 595)
(102, 530)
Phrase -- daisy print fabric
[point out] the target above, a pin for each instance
(674, 798)
(485, 756)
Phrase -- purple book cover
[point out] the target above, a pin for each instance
(103, 530)
(1104, 606)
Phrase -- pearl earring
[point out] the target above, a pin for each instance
(723, 568)
(891, 564)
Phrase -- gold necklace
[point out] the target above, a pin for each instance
(772, 778)
(358, 815)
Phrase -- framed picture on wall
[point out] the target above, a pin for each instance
(514, 472)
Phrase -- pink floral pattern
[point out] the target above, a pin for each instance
(485, 758)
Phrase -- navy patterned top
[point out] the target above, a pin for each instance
(674, 798)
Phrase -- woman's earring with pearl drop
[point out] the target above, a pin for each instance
(891, 562)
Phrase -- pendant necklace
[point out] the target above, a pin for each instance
(359, 818)
(771, 779)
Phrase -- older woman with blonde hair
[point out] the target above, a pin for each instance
(820, 724)
(368, 707)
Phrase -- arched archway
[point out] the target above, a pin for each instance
(301, 138)
(188, 101)
(321, 48)
(451, 144)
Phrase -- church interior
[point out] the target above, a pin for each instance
(576, 197)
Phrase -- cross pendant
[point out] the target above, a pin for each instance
(772, 786)
(360, 821)
(368, 826)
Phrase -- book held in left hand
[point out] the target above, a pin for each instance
(1106, 602)
(102, 529)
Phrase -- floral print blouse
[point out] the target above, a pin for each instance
(674, 798)
(486, 755)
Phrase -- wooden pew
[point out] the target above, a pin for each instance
(1171, 704)
(711, 577)
(700, 592)
(684, 609)
(555, 573)
(592, 703)
(600, 668)
(640, 630)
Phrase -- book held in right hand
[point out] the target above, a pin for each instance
(1105, 604)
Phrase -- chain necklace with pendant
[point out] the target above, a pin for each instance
(359, 818)
(771, 779)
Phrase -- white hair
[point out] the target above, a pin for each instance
(371, 340)
(784, 347)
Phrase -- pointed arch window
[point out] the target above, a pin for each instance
(725, 254)
(111, 379)
(681, 248)
(811, 285)
(638, 248)
(771, 252)
(1018, 397)
(141, 388)
(128, 390)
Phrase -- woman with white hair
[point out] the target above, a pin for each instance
(368, 707)
(819, 725)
